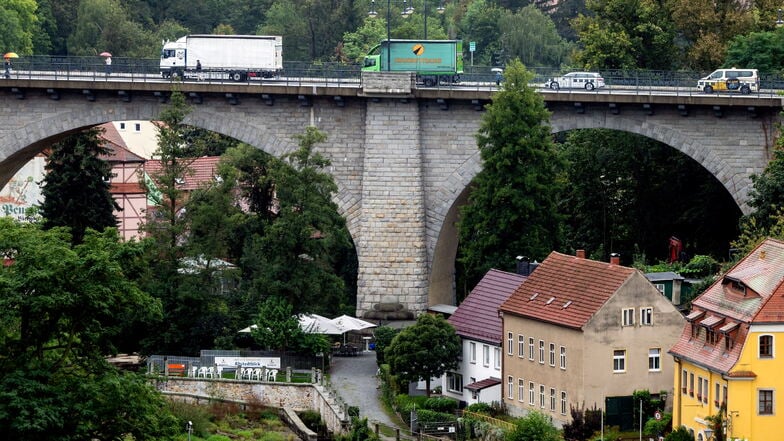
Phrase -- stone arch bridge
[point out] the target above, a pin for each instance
(402, 156)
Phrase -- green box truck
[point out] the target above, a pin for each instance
(434, 61)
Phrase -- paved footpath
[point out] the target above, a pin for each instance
(354, 378)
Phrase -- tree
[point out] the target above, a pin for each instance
(105, 25)
(679, 434)
(18, 21)
(424, 350)
(277, 327)
(383, 336)
(295, 257)
(642, 30)
(758, 50)
(530, 36)
(511, 207)
(480, 24)
(706, 27)
(357, 44)
(76, 186)
(65, 308)
(534, 426)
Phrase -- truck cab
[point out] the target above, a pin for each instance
(173, 57)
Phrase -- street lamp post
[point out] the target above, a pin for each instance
(407, 10)
(779, 21)
(439, 9)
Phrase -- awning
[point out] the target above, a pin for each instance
(729, 327)
(483, 384)
(694, 315)
(712, 321)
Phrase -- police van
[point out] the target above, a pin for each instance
(744, 81)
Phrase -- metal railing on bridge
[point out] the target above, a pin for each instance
(681, 83)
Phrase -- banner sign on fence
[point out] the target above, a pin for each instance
(254, 362)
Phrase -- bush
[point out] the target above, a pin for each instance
(312, 419)
(430, 416)
(440, 404)
(482, 408)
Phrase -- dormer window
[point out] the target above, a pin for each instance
(739, 287)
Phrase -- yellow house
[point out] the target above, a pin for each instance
(726, 363)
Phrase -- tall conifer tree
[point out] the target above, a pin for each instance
(512, 209)
(76, 187)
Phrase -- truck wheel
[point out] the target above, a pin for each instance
(708, 89)
(237, 76)
(429, 82)
(745, 89)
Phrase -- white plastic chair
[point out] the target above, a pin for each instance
(219, 372)
(257, 374)
(272, 375)
(202, 372)
(210, 372)
(194, 370)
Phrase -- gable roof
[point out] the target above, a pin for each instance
(202, 171)
(729, 311)
(567, 290)
(477, 316)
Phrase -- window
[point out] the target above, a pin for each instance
(486, 355)
(552, 399)
(691, 384)
(710, 336)
(699, 389)
(472, 350)
(521, 346)
(454, 382)
(619, 361)
(138, 127)
(716, 395)
(122, 126)
(728, 343)
(552, 354)
(497, 360)
(628, 317)
(646, 316)
(563, 402)
(510, 343)
(765, 402)
(654, 359)
(766, 346)
(724, 394)
(541, 396)
(531, 348)
(510, 387)
(685, 382)
(563, 357)
(705, 389)
(541, 351)
(531, 393)
(520, 389)
(660, 287)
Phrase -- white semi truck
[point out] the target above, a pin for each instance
(234, 57)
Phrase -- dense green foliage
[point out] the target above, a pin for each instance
(424, 350)
(534, 426)
(76, 186)
(512, 208)
(65, 306)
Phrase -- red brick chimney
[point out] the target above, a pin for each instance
(615, 259)
(581, 254)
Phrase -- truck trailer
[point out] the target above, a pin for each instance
(433, 61)
(234, 57)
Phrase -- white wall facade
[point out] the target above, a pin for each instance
(480, 361)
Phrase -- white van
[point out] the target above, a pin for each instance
(744, 81)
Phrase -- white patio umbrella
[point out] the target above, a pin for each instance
(248, 329)
(347, 323)
(317, 324)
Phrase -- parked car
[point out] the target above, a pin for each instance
(576, 80)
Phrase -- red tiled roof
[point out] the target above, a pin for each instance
(477, 316)
(111, 135)
(483, 384)
(202, 171)
(694, 315)
(742, 374)
(761, 271)
(712, 321)
(567, 290)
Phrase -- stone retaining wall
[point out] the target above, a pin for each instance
(294, 396)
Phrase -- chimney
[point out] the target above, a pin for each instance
(581, 254)
(615, 259)
(523, 265)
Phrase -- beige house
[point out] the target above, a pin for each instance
(580, 332)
